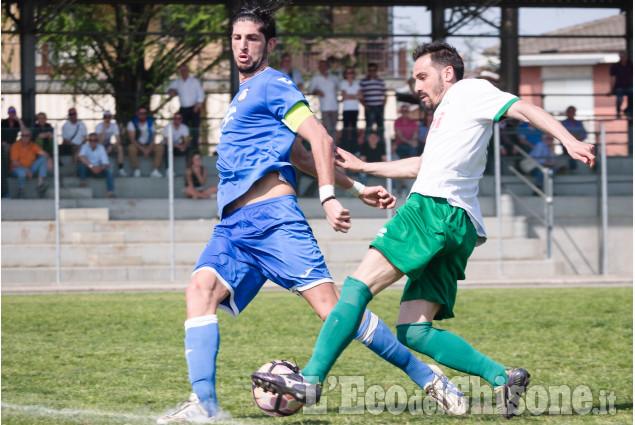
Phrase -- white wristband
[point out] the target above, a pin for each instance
(356, 189)
(327, 191)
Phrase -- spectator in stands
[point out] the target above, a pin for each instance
(351, 95)
(191, 96)
(576, 128)
(11, 126)
(73, 135)
(43, 133)
(621, 74)
(406, 134)
(528, 136)
(141, 135)
(544, 153)
(374, 100)
(93, 162)
(509, 136)
(196, 179)
(325, 85)
(372, 150)
(286, 67)
(180, 138)
(106, 130)
(28, 159)
(424, 128)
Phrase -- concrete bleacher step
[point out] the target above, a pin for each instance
(16, 275)
(80, 238)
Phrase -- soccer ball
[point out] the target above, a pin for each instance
(271, 403)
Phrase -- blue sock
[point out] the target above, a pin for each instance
(374, 334)
(201, 347)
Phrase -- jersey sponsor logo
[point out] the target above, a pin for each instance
(285, 80)
(243, 95)
(228, 117)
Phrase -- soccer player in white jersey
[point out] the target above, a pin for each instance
(263, 234)
(438, 226)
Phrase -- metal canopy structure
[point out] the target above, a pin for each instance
(508, 31)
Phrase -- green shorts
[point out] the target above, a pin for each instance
(430, 241)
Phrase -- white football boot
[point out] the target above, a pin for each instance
(445, 393)
(191, 411)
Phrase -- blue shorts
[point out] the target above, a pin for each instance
(266, 240)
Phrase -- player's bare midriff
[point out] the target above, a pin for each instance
(268, 186)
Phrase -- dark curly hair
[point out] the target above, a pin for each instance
(442, 54)
(262, 13)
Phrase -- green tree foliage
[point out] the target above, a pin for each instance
(130, 50)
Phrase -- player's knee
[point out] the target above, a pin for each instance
(204, 288)
(415, 335)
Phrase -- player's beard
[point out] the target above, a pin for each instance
(437, 91)
(255, 66)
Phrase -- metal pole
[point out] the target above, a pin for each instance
(56, 185)
(549, 208)
(604, 193)
(497, 182)
(171, 200)
(388, 144)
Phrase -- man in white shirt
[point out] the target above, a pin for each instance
(191, 96)
(73, 135)
(106, 130)
(93, 161)
(325, 86)
(180, 137)
(141, 135)
(286, 67)
(439, 226)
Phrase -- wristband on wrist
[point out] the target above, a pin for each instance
(328, 199)
(356, 189)
(326, 191)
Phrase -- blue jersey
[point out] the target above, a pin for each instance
(254, 140)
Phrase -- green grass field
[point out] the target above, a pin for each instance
(118, 359)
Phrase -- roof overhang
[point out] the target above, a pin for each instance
(567, 59)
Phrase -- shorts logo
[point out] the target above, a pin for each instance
(382, 232)
(306, 273)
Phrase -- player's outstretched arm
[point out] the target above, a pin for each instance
(375, 196)
(406, 168)
(322, 149)
(541, 119)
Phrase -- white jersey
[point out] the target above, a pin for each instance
(454, 158)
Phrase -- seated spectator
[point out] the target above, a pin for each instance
(577, 130)
(28, 159)
(141, 134)
(73, 135)
(93, 162)
(196, 179)
(509, 136)
(11, 127)
(43, 134)
(106, 130)
(372, 150)
(528, 136)
(180, 138)
(406, 134)
(424, 128)
(545, 155)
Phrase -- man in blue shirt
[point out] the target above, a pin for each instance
(261, 220)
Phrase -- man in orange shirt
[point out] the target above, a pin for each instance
(27, 159)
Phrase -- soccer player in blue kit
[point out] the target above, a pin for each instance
(261, 220)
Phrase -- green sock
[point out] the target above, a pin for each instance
(450, 350)
(338, 330)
